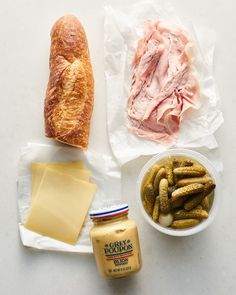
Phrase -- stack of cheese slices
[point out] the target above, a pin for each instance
(61, 196)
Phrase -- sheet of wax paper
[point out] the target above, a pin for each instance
(105, 174)
(122, 30)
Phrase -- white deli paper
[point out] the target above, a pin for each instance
(123, 29)
(105, 174)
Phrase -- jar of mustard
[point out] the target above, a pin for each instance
(115, 242)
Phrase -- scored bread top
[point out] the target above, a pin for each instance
(69, 97)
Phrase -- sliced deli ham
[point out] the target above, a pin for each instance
(163, 86)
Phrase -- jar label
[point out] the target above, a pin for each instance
(118, 254)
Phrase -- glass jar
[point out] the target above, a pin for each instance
(115, 242)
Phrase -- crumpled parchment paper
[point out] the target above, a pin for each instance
(105, 174)
(123, 29)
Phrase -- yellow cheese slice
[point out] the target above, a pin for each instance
(79, 164)
(60, 206)
(75, 169)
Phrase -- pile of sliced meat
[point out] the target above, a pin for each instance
(163, 86)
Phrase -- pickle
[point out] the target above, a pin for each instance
(194, 213)
(150, 176)
(177, 203)
(197, 199)
(176, 163)
(160, 174)
(169, 172)
(171, 189)
(184, 223)
(163, 195)
(206, 203)
(149, 198)
(177, 192)
(156, 209)
(186, 181)
(182, 163)
(186, 191)
(186, 163)
(148, 205)
(180, 203)
(194, 170)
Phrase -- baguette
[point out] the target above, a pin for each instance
(69, 97)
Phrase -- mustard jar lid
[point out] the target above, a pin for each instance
(110, 211)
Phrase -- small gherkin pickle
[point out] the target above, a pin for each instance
(169, 172)
(178, 203)
(186, 181)
(171, 189)
(163, 195)
(150, 176)
(182, 163)
(177, 192)
(194, 213)
(160, 174)
(156, 209)
(206, 203)
(186, 163)
(184, 223)
(186, 191)
(149, 198)
(190, 171)
(197, 199)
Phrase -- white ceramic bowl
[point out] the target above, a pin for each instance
(217, 193)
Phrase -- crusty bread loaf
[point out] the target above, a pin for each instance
(69, 97)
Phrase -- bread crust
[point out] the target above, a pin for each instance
(69, 97)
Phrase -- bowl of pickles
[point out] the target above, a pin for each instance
(178, 192)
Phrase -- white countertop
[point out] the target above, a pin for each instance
(201, 264)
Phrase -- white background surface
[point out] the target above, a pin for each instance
(203, 264)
